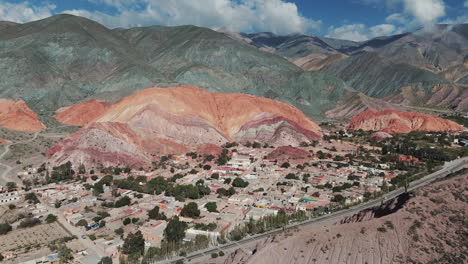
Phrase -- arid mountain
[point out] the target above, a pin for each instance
(176, 120)
(441, 49)
(451, 96)
(377, 76)
(354, 103)
(391, 121)
(381, 67)
(425, 227)
(64, 59)
(81, 114)
(16, 115)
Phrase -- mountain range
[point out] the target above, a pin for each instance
(63, 60)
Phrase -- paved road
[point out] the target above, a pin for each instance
(448, 168)
(4, 176)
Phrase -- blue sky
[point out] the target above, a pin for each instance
(345, 19)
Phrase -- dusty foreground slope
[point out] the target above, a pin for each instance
(392, 121)
(16, 115)
(426, 227)
(179, 119)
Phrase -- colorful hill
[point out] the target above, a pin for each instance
(391, 121)
(179, 119)
(16, 115)
(81, 114)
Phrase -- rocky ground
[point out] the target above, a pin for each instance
(428, 226)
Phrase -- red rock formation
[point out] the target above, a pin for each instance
(16, 115)
(2, 141)
(81, 114)
(177, 120)
(209, 149)
(391, 121)
(285, 152)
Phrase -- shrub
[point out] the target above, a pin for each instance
(51, 218)
(382, 229)
(190, 210)
(5, 228)
(214, 255)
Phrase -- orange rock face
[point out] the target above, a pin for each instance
(16, 115)
(81, 114)
(180, 119)
(225, 112)
(392, 122)
(2, 141)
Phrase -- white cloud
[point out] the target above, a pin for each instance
(426, 12)
(465, 4)
(359, 32)
(457, 20)
(396, 18)
(24, 12)
(276, 16)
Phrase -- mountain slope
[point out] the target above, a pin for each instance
(379, 77)
(64, 59)
(180, 119)
(391, 121)
(16, 115)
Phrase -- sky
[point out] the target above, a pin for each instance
(356, 20)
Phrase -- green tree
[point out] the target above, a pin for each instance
(134, 243)
(238, 182)
(339, 199)
(81, 169)
(51, 218)
(190, 210)
(211, 207)
(175, 230)
(127, 221)
(32, 198)
(119, 231)
(64, 254)
(5, 228)
(123, 201)
(215, 176)
(11, 185)
(155, 214)
(223, 158)
(105, 260)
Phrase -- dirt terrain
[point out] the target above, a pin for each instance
(428, 226)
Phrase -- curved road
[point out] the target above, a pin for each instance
(448, 168)
(8, 168)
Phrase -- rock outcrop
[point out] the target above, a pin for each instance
(391, 121)
(176, 120)
(16, 115)
(81, 114)
(287, 152)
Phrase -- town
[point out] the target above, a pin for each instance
(183, 203)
